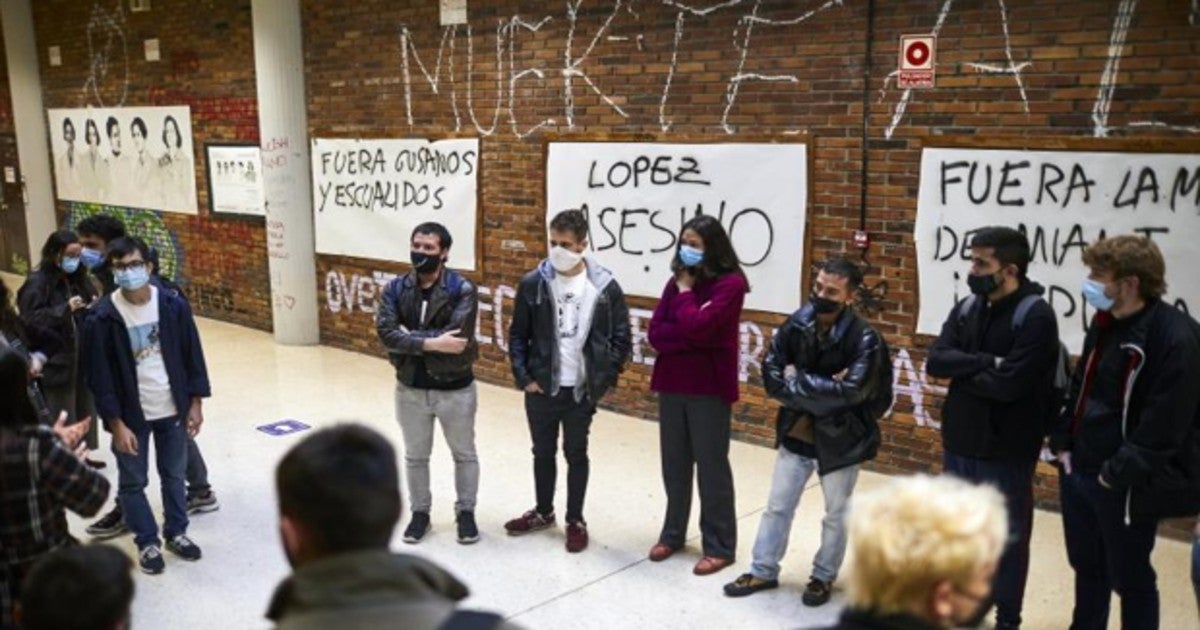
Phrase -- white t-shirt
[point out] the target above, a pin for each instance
(574, 300)
(154, 386)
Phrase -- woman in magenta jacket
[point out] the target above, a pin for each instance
(694, 330)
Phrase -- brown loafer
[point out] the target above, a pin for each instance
(709, 565)
(660, 552)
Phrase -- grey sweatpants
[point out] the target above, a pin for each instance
(416, 410)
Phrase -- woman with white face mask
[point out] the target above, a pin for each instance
(54, 301)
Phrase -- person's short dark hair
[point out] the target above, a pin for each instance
(435, 229)
(109, 124)
(125, 246)
(67, 123)
(105, 226)
(1009, 246)
(843, 268)
(140, 124)
(571, 221)
(342, 486)
(78, 588)
(17, 410)
(170, 120)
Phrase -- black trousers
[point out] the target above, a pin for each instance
(546, 414)
(694, 436)
(1107, 555)
(1014, 480)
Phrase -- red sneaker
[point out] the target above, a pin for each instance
(530, 521)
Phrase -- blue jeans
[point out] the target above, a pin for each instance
(170, 450)
(1014, 480)
(792, 472)
(1107, 555)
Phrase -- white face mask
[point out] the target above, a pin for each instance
(563, 259)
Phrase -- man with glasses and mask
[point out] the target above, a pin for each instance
(1129, 438)
(568, 343)
(426, 321)
(148, 376)
(999, 348)
(831, 373)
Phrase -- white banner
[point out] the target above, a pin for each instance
(135, 157)
(235, 180)
(638, 196)
(368, 195)
(1064, 201)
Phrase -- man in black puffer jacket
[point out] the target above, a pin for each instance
(568, 343)
(831, 373)
(426, 320)
(1129, 437)
(999, 347)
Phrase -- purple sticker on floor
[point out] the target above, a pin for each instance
(283, 427)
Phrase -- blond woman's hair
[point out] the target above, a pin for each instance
(914, 532)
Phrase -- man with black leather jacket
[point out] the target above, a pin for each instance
(830, 372)
(426, 321)
(568, 343)
(999, 348)
(1129, 436)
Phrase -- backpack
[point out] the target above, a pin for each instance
(1061, 379)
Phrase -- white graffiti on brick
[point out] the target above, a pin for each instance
(108, 57)
(910, 381)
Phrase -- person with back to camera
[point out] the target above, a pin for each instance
(923, 554)
(43, 471)
(694, 330)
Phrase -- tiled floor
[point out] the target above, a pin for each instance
(532, 579)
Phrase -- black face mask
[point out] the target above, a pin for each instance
(824, 305)
(982, 285)
(424, 263)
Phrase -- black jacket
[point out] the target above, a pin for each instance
(452, 306)
(853, 619)
(43, 301)
(846, 411)
(1133, 410)
(533, 334)
(997, 412)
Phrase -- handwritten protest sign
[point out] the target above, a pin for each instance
(1063, 201)
(368, 195)
(638, 196)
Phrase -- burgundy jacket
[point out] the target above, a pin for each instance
(696, 337)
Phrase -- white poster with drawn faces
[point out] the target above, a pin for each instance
(638, 196)
(134, 157)
(1063, 201)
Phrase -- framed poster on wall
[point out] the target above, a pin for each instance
(132, 157)
(235, 183)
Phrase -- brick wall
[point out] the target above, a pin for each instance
(207, 63)
(1021, 68)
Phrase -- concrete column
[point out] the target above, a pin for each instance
(283, 129)
(29, 119)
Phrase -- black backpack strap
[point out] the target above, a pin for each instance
(965, 306)
(471, 620)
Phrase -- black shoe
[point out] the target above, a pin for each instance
(150, 560)
(417, 528)
(468, 532)
(183, 547)
(110, 525)
(817, 592)
(747, 584)
(201, 503)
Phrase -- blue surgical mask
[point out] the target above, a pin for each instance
(690, 256)
(1093, 292)
(70, 264)
(132, 279)
(92, 258)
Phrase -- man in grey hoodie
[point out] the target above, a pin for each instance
(339, 502)
(568, 344)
